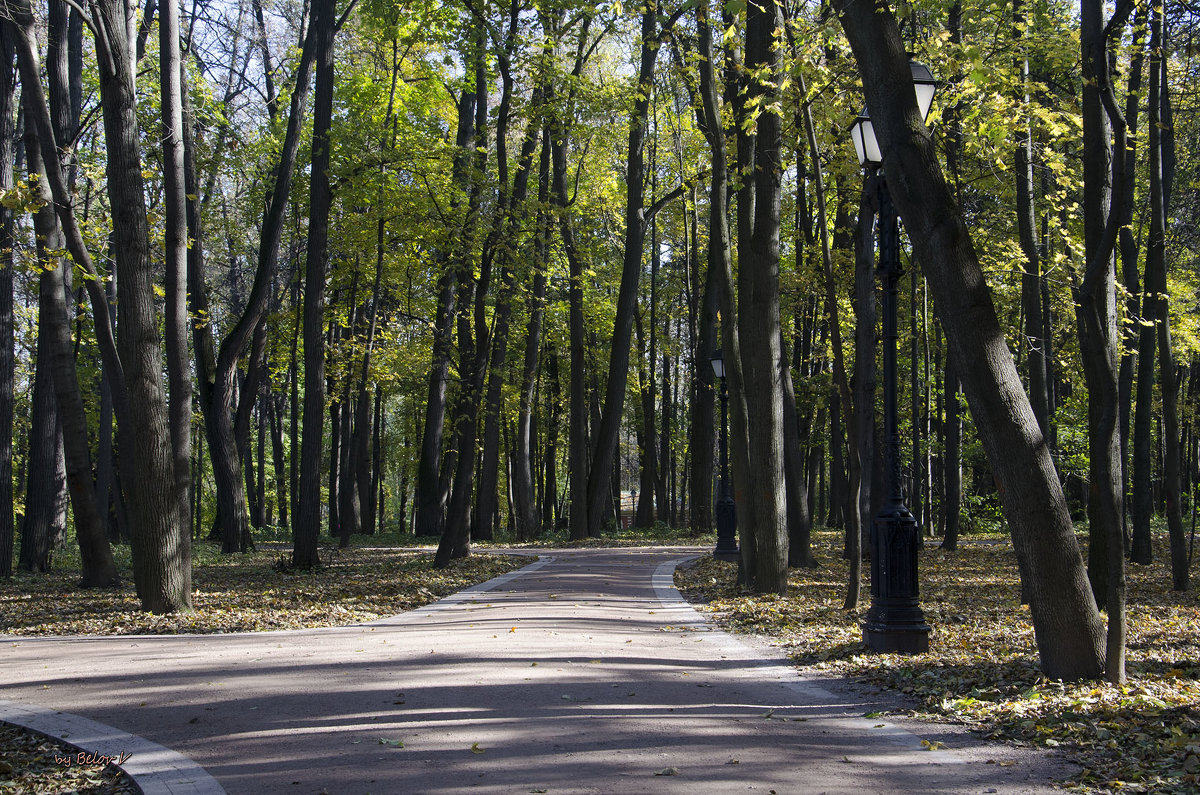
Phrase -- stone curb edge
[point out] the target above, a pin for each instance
(155, 769)
(686, 615)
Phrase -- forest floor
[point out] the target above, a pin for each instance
(232, 593)
(982, 667)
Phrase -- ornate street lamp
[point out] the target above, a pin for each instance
(895, 621)
(727, 548)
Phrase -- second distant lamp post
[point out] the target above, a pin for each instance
(895, 621)
(727, 548)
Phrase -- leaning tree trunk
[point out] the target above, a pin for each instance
(1066, 623)
(217, 366)
(161, 572)
(636, 217)
(95, 552)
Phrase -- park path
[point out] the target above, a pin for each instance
(581, 673)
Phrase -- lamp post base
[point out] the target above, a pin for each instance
(903, 637)
(895, 621)
(727, 548)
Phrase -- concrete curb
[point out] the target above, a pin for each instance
(683, 614)
(155, 770)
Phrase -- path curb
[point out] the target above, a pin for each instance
(155, 769)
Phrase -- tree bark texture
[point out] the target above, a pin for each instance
(7, 358)
(1066, 623)
(600, 470)
(179, 371)
(308, 516)
(95, 553)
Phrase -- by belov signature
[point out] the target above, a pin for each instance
(90, 759)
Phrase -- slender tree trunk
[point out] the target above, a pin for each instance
(720, 259)
(550, 512)
(1162, 176)
(217, 366)
(1031, 294)
(1128, 249)
(577, 438)
(7, 351)
(865, 369)
(636, 219)
(275, 403)
(179, 371)
(95, 553)
(524, 508)
(513, 206)
(45, 517)
(952, 461)
(472, 345)
(799, 520)
(430, 496)
(308, 516)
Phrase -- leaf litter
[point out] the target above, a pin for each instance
(982, 669)
(248, 592)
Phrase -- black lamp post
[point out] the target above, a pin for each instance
(895, 621)
(727, 548)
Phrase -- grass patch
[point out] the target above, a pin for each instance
(982, 667)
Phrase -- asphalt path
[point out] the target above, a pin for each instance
(581, 673)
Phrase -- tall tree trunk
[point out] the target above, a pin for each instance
(1104, 175)
(472, 344)
(1066, 623)
(550, 511)
(1031, 293)
(1162, 176)
(758, 310)
(45, 509)
(799, 520)
(524, 508)
(720, 259)
(7, 351)
(95, 553)
(1128, 249)
(512, 206)
(430, 496)
(179, 371)
(952, 461)
(217, 366)
(308, 518)
(161, 573)
(275, 403)
(703, 431)
(865, 369)
(636, 219)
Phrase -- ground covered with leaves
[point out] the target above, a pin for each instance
(231, 593)
(248, 593)
(982, 667)
(31, 763)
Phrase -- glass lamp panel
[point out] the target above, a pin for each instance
(925, 86)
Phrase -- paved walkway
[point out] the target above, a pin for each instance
(581, 673)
